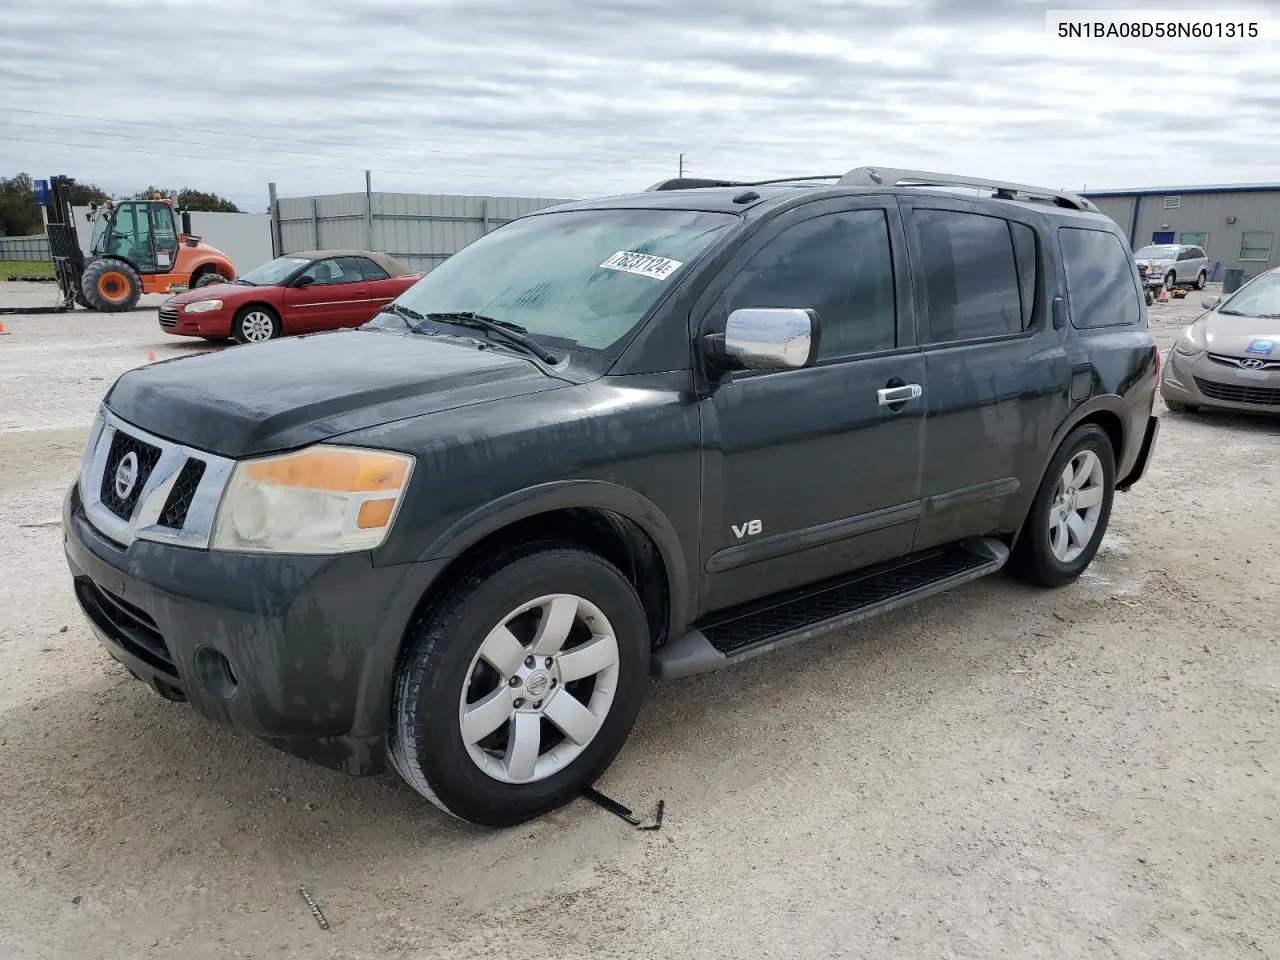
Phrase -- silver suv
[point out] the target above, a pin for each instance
(1173, 264)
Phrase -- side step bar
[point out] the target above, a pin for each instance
(799, 615)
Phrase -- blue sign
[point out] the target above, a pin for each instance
(42, 192)
(1263, 348)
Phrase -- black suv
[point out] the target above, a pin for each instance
(657, 433)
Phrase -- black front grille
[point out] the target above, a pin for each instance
(127, 626)
(168, 316)
(174, 514)
(146, 455)
(1235, 393)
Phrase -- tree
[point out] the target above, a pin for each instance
(83, 194)
(19, 212)
(191, 199)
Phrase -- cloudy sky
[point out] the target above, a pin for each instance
(569, 98)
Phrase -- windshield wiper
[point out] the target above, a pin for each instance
(411, 318)
(511, 332)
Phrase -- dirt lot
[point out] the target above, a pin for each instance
(1000, 771)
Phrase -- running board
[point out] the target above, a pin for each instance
(799, 615)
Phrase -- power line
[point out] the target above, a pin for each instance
(363, 160)
(409, 145)
(253, 160)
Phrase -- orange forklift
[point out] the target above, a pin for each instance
(135, 248)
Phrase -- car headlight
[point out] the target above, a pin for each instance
(1191, 343)
(203, 306)
(322, 499)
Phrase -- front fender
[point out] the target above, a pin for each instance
(564, 494)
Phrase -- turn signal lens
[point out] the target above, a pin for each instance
(323, 499)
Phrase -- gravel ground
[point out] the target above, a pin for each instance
(1000, 771)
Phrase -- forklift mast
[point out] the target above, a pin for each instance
(54, 195)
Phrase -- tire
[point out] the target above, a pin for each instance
(207, 280)
(1151, 297)
(1201, 279)
(111, 286)
(1171, 280)
(1178, 407)
(1034, 557)
(255, 323)
(485, 778)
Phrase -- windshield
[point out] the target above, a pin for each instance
(273, 272)
(1261, 298)
(1157, 253)
(580, 279)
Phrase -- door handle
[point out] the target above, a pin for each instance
(892, 396)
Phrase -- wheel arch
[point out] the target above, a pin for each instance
(621, 524)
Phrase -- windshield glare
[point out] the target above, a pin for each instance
(1157, 253)
(1261, 298)
(580, 279)
(273, 272)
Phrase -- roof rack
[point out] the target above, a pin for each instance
(694, 183)
(1002, 190)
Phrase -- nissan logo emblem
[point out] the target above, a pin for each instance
(126, 475)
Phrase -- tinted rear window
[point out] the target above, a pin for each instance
(1100, 286)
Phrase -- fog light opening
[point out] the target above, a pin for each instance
(216, 674)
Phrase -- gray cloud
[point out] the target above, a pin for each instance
(537, 97)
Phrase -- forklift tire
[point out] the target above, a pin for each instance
(111, 286)
(207, 280)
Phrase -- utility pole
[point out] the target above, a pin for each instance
(682, 164)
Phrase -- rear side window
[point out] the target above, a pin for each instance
(371, 270)
(971, 278)
(1100, 285)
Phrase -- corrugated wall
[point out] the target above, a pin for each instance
(1204, 213)
(420, 230)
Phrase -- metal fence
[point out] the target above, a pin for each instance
(25, 248)
(419, 230)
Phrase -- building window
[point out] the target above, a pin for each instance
(1255, 245)
(1172, 203)
(1200, 240)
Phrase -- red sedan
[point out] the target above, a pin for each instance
(299, 293)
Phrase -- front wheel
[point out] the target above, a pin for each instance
(1069, 515)
(1201, 279)
(521, 687)
(256, 324)
(1171, 280)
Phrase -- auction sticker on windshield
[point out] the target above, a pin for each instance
(1261, 347)
(644, 264)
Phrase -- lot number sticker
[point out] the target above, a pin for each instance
(1261, 347)
(644, 264)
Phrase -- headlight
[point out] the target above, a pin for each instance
(203, 306)
(1191, 343)
(320, 500)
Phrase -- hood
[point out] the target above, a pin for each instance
(1232, 336)
(266, 397)
(214, 291)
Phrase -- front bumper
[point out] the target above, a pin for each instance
(297, 650)
(175, 320)
(1202, 381)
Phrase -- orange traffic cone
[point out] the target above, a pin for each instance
(1164, 294)
(3, 331)
(151, 356)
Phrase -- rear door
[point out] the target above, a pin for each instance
(337, 293)
(997, 372)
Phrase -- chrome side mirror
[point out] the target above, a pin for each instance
(1210, 302)
(768, 338)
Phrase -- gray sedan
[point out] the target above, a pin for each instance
(1230, 357)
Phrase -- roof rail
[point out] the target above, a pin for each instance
(694, 183)
(892, 177)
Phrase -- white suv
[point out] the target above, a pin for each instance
(1173, 264)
